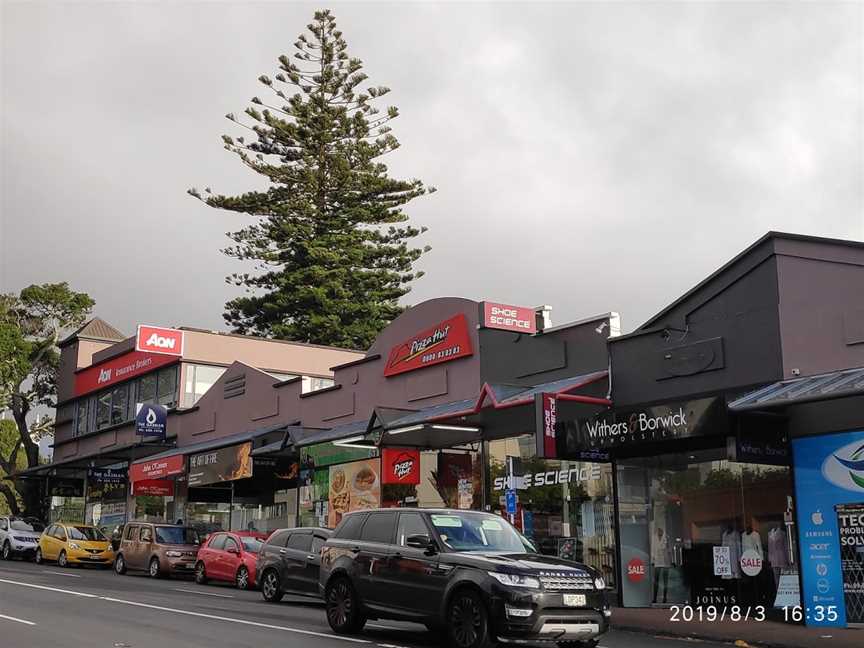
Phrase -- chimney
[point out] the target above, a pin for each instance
(543, 317)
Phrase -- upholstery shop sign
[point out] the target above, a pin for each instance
(509, 318)
(129, 365)
(441, 343)
(156, 468)
(155, 339)
(400, 466)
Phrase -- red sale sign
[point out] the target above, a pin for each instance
(441, 343)
(400, 466)
(155, 339)
(635, 570)
(509, 318)
(156, 468)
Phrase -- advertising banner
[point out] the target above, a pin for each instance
(829, 473)
(400, 466)
(156, 339)
(157, 487)
(443, 342)
(722, 561)
(129, 365)
(547, 446)
(850, 521)
(151, 420)
(105, 484)
(353, 487)
(221, 465)
(156, 468)
(509, 318)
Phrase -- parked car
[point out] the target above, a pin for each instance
(469, 575)
(18, 537)
(159, 549)
(289, 561)
(74, 544)
(231, 557)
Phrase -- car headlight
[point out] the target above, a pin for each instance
(516, 580)
(173, 554)
(74, 545)
(599, 583)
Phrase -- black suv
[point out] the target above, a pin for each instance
(288, 562)
(467, 574)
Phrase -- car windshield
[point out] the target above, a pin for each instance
(251, 544)
(477, 532)
(21, 525)
(176, 535)
(84, 533)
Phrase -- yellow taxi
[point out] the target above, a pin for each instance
(74, 544)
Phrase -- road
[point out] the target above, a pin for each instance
(49, 607)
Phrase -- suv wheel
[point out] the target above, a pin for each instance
(271, 589)
(200, 573)
(154, 570)
(120, 565)
(7, 551)
(468, 621)
(343, 607)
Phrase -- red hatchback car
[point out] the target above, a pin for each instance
(231, 557)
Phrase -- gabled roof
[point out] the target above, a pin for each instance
(836, 384)
(95, 329)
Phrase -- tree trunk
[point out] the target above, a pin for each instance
(11, 500)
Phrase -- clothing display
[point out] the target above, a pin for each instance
(778, 550)
(732, 539)
(751, 540)
(660, 551)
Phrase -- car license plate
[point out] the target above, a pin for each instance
(574, 600)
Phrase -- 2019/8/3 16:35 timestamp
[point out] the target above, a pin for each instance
(817, 613)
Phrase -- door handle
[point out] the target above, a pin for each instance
(355, 549)
(282, 552)
(311, 557)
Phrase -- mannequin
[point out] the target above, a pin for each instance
(660, 561)
(751, 540)
(778, 554)
(732, 539)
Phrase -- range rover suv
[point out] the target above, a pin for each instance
(468, 575)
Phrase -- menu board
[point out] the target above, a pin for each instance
(353, 487)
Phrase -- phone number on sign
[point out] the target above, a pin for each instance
(711, 613)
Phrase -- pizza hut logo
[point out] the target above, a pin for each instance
(421, 345)
(445, 341)
(403, 467)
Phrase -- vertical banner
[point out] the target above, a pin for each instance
(850, 522)
(547, 418)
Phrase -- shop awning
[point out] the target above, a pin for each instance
(129, 452)
(338, 433)
(837, 384)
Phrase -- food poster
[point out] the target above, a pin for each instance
(353, 487)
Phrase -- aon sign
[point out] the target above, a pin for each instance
(154, 339)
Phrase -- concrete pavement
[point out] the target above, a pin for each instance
(49, 607)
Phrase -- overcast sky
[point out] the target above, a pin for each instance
(592, 156)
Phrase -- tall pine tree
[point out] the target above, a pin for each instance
(330, 239)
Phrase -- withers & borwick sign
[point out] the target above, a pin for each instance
(700, 417)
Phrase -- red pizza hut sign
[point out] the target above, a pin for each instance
(509, 318)
(441, 343)
(156, 468)
(155, 339)
(401, 466)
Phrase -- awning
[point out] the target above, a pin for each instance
(837, 384)
(338, 433)
(105, 457)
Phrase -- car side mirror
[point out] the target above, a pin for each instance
(421, 541)
(234, 550)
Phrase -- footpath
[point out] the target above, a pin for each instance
(772, 634)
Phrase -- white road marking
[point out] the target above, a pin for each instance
(177, 589)
(11, 618)
(215, 617)
(47, 571)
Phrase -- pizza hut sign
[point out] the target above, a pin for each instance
(443, 342)
(401, 466)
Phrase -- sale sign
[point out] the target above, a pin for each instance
(636, 570)
(443, 342)
(156, 468)
(509, 318)
(400, 466)
(155, 339)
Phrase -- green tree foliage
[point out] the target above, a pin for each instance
(329, 239)
(31, 324)
(8, 441)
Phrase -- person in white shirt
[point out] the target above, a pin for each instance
(660, 562)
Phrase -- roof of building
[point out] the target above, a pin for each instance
(95, 329)
(836, 384)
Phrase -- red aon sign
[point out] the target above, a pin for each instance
(155, 339)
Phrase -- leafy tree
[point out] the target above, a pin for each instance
(31, 325)
(8, 440)
(330, 239)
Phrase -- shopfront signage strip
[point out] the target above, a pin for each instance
(157, 487)
(584, 473)
(509, 318)
(443, 342)
(157, 339)
(221, 465)
(129, 365)
(157, 468)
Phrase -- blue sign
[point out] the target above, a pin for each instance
(829, 472)
(151, 420)
(510, 501)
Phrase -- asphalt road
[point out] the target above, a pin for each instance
(49, 607)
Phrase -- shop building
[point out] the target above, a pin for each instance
(103, 374)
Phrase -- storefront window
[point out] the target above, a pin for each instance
(166, 387)
(199, 378)
(119, 405)
(565, 507)
(698, 528)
